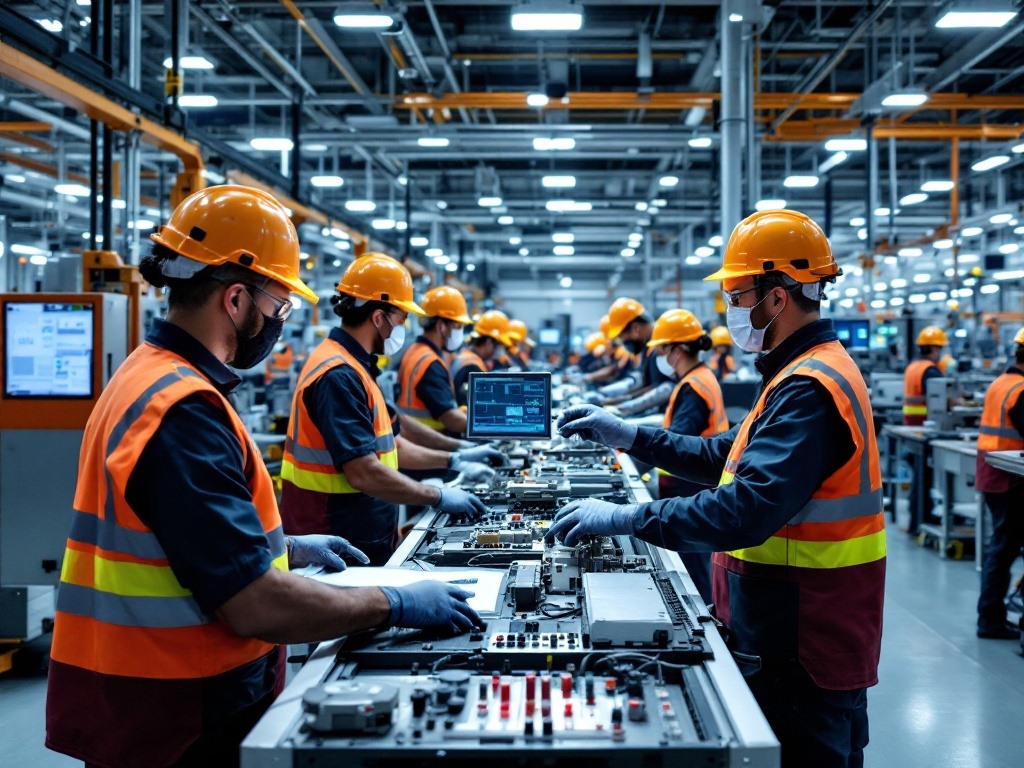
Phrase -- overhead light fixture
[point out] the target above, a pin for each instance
(905, 99)
(433, 253)
(568, 206)
(858, 221)
(641, 206)
(524, 251)
(383, 224)
(317, 148)
(452, 267)
(558, 182)
(37, 260)
(441, 205)
(360, 206)
(910, 252)
(922, 277)
(898, 282)
(846, 145)
(1001, 218)
(914, 198)
(563, 237)
(704, 251)
(1018, 230)
(142, 224)
(668, 181)
(971, 231)
(917, 298)
(882, 211)
(561, 144)
(338, 233)
(489, 201)
(560, 17)
(364, 16)
(862, 234)
(536, 100)
(937, 296)
(515, 240)
(989, 163)
(975, 19)
(770, 204)
(442, 260)
(190, 62)
(693, 261)
(272, 144)
(505, 220)
(735, 18)
(715, 241)
(800, 182)
(880, 286)
(563, 250)
(989, 288)
(1017, 149)
(72, 190)
(433, 141)
(14, 178)
(1009, 248)
(471, 267)
(565, 282)
(627, 252)
(418, 241)
(937, 185)
(27, 250)
(700, 142)
(197, 101)
(943, 245)
(833, 161)
(659, 202)
(329, 182)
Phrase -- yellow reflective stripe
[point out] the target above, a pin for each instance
(915, 410)
(726, 477)
(432, 423)
(280, 562)
(779, 550)
(130, 579)
(328, 482)
(663, 473)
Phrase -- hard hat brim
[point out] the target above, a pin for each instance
(409, 306)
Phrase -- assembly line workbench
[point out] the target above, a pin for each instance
(913, 441)
(953, 462)
(1008, 461)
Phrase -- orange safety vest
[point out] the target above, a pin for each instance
(702, 380)
(467, 358)
(997, 432)
(915, 407)
(721, 364)
(839, 532)
(280, 363)
(307, 463)
(415, 362)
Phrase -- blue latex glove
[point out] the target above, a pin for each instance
(593, 398)
(592, 517)
(459, 503)
(474, 472)
(321, 549)
(431, 604)
(483, 454)
(593, 423)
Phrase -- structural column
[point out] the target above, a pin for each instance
(731, 121)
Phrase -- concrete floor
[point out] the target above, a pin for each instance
(946, 699)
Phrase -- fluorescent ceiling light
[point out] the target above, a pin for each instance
(627, 252)
(641, 206)
(715, 241)
(505, 220)
(910, 252)
(318, 148)
(1012, 274)
(563, 237)
(989, 163)
(971, 231)
(770, 204)
(442, 260)
(862, 234)
(1009, 248)
(558, 182)
(360, 206)
(272, 144)
(899, 282)
(515, 240)
(1001, 218)
(570, 21)
(37, 260)
(975, 19)
(693, 261)
(564, 144)
(489, 202)
(563, 250)
(568, 206)
(832, 162)
(939, 185)
(881, 286)
(858, 221)
(565, 282)
(536, 100)
(800, 182)
(15, 178)
(197, 100)
(878, 303)
(700, 142)
(27, 250)
(365, 16)
(71, 190)
(142, 224)
(327, 181)
(846, 303)
(922, 277)
(659, 202)
(433, 253)
(471, 267)
(668, 181)
(943, 245)
(453, 267)
(190, 62)
(524, 251)
(913, 198)
(937, 296)
(883, 211)
(418, 241)
(338, 232)
(1017, 149)
(1016, 230)
(383, 223)
(852, 291)
(432, 141)
(704, 251)
(989, 288)
(50, 25)
(917, 298)
(907, 98)
(846, 145)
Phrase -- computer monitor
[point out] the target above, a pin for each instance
(550, 337)
(48, 349)
(509, 405)
(853, 333)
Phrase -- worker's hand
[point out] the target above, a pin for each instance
(321, 549)
(592, 517)
(473, 472)
(484, 454)
(593, 423)
(594, 398)
(431, 604)
(614, 410)
(459, 503)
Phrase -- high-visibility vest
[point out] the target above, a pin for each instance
(839, 532)
(120, 609)
(307, 463)
(468, 358)
(415, 362)
(721, 364)
(997, 431)
(703, 382)
(915, 407)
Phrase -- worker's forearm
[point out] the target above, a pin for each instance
(423, 435)
(284, 608)
(454, 421)
(412, 456)
(375, 479)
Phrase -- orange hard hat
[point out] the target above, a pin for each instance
(378, 277)
(604, 325)
(676, 326)
(494, 324)
(231, 224)
(444, 301)
(1019, 338)
(518, 332)
(621, 313)
(593, 341)
(932, 336)
(778, 241)
(720, 336)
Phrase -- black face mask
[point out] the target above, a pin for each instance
(251, 350)
(634, 346)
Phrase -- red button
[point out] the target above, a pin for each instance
(566, 686)
(568, 709)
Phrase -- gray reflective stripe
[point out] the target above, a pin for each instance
(425, 360)
(154, 612)
(1008, 432)
(275, 539)
(307, 455)
(840, 510)
(1004, 408)
(914, 399)
(385, 443)
(304, 382)
(418, 413)
(107, 534)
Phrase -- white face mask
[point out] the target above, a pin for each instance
(393, 343)
(744, 334)
(455, 340)
(665, 366)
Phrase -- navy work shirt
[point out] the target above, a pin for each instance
(189, 488)
(435, 387)
(690, 416)
(798, 441)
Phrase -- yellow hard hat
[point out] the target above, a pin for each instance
(720, 336)
(518, 332)
(604, 325)
(778, 241)
(444, 301)
(237, 225)
(676, 326)
(1019, 338)
(494, 324)
(594, 341)
(378, 277)
(621, 313)
(932, 336)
